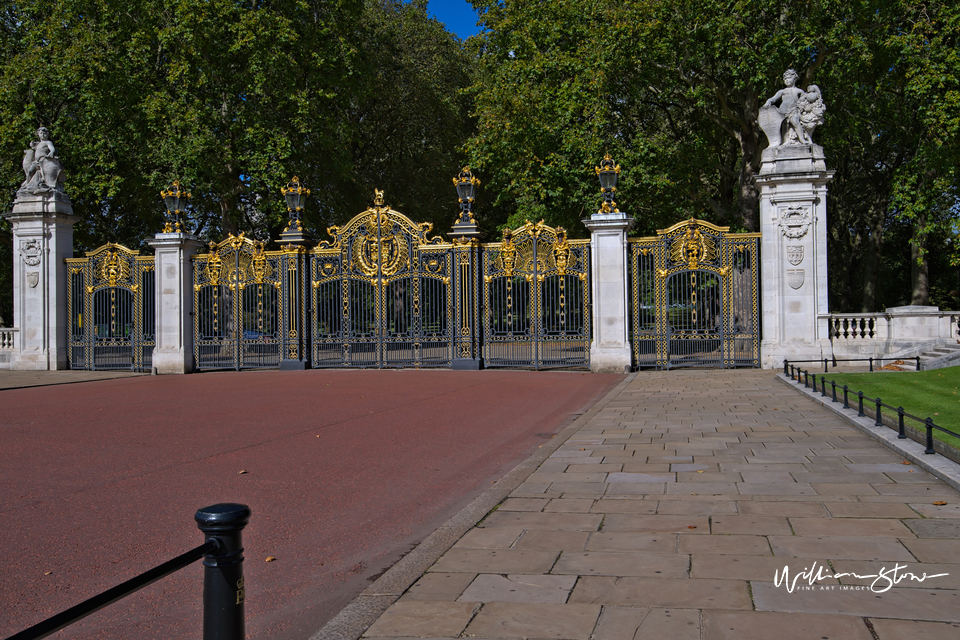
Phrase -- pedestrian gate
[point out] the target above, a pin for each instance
(110, 306)
(536, 299)
(382, 294)
(243, 296)
(694, 297)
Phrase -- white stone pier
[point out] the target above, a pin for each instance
(174, 299)
(42, 239)
(793, 224)
(610, 349)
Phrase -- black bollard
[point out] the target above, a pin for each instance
(879, 422)
(860, 413)
(929, 424)
(785, 363)
(223, 590)
(901, 430)
(871, 364)
(846, 402)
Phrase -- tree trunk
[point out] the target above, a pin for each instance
(871, 269)
(919, 267)
(750, 148)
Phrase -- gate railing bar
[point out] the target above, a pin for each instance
(222, 599)
(796, 374)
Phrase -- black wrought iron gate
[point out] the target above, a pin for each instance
(242, 300)
(695, 297)
(382, 294)
(536, 299)
(110, 306)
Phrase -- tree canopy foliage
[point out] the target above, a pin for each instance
(235, 97)
(672, 90)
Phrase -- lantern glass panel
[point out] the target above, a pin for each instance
(465, 190)
(293, 200)
(608, 180)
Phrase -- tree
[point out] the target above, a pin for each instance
(674, 89)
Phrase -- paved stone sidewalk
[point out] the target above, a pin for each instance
(669, 513)
(19, 379)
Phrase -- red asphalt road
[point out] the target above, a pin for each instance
(346, 472)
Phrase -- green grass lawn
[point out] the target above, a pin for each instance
(934, 394)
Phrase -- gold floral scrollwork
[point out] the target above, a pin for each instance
(508, 254)
(693, 248)
(214, 268)
(114, 269)
(725, 271)
(259, 266)
(386, 253)
(661, 273)
(561, 252)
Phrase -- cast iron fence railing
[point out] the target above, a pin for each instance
(833, 361)
(801, 375)
(223, 586)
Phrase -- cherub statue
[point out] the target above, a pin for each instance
(802, 111)
(789, 97)
(42, 167)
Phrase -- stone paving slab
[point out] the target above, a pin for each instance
(707, 489)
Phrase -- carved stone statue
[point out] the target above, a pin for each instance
(42, 167)
(793, 109)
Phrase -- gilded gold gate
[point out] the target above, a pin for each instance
(694, 294)
(382, 294)
(245, 305)
(110, 306)
(536, 299)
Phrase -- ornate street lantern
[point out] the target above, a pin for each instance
(176, 200)
(466, 184)
(296, 196)
(608, 172)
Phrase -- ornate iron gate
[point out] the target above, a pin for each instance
(110, 305)
(242, 300)
(382, 294)
(536, 298)
(694, 297)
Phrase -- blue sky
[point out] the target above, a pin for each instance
(458, 15)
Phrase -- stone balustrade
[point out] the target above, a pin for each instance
(8, 345)
(896, 331)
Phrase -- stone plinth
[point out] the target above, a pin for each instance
(793, 224)
(42, 240)
(174, 302)
(610, 349)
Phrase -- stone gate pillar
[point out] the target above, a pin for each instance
(174, 301)
(610, 348)
(42, 240)
(793, 276)
(42, 219)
